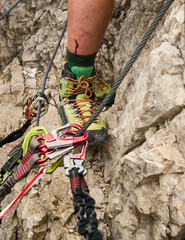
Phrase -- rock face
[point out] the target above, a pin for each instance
(138, 177)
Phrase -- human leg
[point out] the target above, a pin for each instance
(87, 22)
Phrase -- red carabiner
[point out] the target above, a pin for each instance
(57, 150)
(49, 138)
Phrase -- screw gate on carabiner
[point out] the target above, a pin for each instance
(29, 114)
(32, 105)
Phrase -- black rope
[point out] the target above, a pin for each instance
(127, 67)
(48, 70)
(16, 134)
(84, 204)
(10, 9)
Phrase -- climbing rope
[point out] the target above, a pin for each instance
(128, 66)
(10, 9)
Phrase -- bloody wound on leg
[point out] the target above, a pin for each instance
(76, 46)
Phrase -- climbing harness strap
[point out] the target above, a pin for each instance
(60, 140)
(36, 146)
(83, 203)
(15, 157)
(28, 162)
(41, 173)
(87, 226)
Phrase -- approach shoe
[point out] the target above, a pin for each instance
(99, 87)
(77, 102)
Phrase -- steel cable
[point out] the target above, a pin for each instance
(51, 61)
(122, 75)
(10, 9)
(127, 67)
(48, 70)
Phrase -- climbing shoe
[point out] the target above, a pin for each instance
(77, 102)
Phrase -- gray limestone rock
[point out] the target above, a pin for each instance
(137, 177)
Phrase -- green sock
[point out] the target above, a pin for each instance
(80, 64)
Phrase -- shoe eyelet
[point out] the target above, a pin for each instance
(70, 106)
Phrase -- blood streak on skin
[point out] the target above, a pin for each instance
(76, 47)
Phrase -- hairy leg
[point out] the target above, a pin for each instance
(87, 22)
